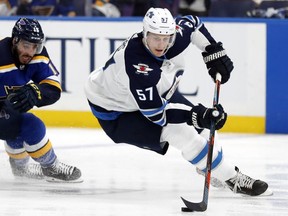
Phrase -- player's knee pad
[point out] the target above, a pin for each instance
(184, 138)
(32, 128)
(194, 147)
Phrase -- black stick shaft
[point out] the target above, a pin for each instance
(202, 206)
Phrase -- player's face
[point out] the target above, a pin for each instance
(26, 51)
(158, 44)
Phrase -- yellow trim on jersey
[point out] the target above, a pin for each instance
(85, 119)
(42, 151)
(7, 68)
(51, 82)
(21, 155)
(37, 59)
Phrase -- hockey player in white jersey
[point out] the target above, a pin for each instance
(128, 95)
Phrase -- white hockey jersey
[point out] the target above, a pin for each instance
(135, 80)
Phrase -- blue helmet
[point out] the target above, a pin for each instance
(29, 30)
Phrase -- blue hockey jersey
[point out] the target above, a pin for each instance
(40, 70)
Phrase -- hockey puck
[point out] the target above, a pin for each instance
(184, 209)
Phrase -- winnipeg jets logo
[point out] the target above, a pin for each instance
(150, 14)
(142, 69)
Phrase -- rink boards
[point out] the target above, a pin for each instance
(255, 97)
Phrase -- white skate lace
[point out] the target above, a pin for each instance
(34, 170)
(60, 167)
(242, 181)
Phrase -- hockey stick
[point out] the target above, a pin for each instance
(202, 206)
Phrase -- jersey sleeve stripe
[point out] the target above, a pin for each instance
(7, 68)
(52, 82)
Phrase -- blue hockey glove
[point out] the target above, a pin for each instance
(217, 61)
(25, 98)
(201, 117)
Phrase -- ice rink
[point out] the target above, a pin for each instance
(122, 180)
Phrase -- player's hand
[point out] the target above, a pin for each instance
(201, 117)
(25, 98)
(217, 61)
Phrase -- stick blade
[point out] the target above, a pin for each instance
(200, 207)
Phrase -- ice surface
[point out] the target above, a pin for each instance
(122, 180)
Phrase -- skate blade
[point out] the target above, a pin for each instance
(268, 192)
(54, 180)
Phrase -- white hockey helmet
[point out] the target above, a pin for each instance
(159, 21)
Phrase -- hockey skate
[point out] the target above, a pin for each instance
(29, 170)
(213, 181)
(60, 172)
(246, 185)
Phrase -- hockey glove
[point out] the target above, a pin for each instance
(24, 98)
(217, 61)
(201, 117)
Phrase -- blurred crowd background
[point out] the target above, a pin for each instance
(124, 8)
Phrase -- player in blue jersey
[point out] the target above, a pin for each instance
(28, 78)
(133, 95)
